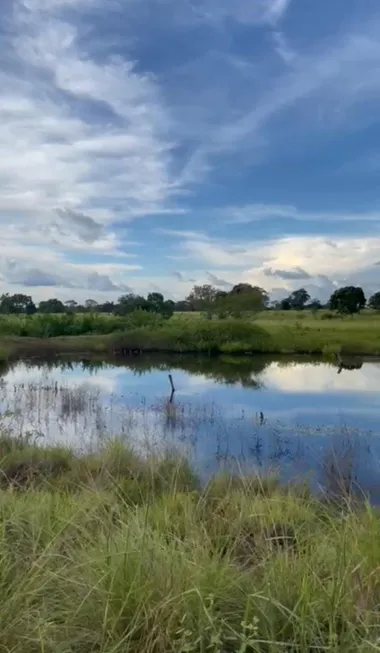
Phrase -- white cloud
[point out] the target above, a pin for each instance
(102, 282)
(326, 88)
(54, 271)
(198, 235)
(219, 282)
(49, 5)
(283, 48)
(256, 212)
(245, 11)
(337, 257)
(289, 274)
(84, 143)
(322, 378)
(213, 253)
(276, 9)
(283, 264)
(76, 162)
(90, 141)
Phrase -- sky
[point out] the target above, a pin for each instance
(148, 145)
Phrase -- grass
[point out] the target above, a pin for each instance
(81, 324)
(270, 332)
(116, 553)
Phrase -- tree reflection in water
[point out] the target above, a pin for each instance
(82, 416)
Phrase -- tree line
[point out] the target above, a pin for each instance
(346, 301)
(242, 299)
(20, 304)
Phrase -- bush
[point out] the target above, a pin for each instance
(143, 319)
(56, 325)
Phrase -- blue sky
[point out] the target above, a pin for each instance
(154, 144)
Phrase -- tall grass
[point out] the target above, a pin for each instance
(114, 553)
(295, 333)
(55, 325)
(186, 334)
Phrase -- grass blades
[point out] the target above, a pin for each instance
(115, 553)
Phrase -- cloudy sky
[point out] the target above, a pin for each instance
(152, 144)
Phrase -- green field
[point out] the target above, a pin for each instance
(113, 553)
(270, 332)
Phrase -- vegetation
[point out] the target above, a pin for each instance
(242, 299)
(267, 332)
(296, 301)
(71, 324)
(374, 301)
(117, 553)
(20, 304)
(350, 300)
(235, 322)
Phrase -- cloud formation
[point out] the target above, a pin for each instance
(257, 12)
(219, 283)
(103, 283)
(257, 212)
(234, 140)
(86, 142)
(288, 275)
(314, 262)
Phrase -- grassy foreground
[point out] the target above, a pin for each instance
(270, 332)
(113, 553)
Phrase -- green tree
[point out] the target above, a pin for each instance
(202, 298)
(91, 305)
(51, 306)
(168, 308)
(107, 307)
(155, 302)
(349, 300)
(314, 305)
(374, 301)
(285, 304)
(257, 293)
(129, 303)
(243, 300)
(298, 299)
(17, 303)
(182, 306)
(71, 304)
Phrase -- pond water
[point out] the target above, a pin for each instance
(298, 417)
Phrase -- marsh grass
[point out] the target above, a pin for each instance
(70, 324)
(118, 553)
(84, 416)
(271, 332)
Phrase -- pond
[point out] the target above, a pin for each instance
(300, 418)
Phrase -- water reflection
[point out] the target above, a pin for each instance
(300, 417)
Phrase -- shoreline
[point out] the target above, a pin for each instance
(13, 348)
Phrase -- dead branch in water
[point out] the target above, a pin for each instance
(172, 387)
